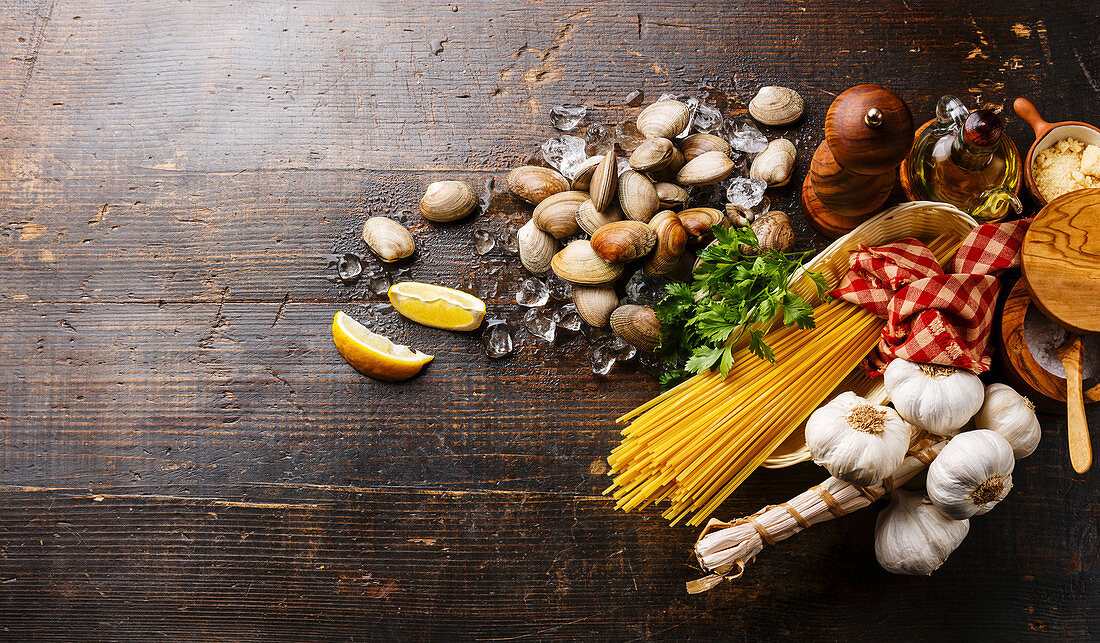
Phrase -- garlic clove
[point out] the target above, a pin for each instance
(971, 475)
(912, 537)
(857, 441)
(1012, 416)
(938, 399)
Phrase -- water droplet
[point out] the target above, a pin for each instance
(437, 46)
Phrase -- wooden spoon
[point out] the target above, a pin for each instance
(1080, 445)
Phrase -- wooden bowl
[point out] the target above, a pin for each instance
(1046, 135)
(1046, 390)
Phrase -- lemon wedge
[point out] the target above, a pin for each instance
(437, 306)
(374, 355)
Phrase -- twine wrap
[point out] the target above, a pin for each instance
(725, 548)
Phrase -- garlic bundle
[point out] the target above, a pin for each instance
(1013, 416)
(912, 537)
(971, 475)
(938, 399)
(857, 441)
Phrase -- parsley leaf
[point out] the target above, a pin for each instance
(737, 288)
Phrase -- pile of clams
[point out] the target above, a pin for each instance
(612, 214)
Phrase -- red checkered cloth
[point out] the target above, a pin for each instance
(932, 317)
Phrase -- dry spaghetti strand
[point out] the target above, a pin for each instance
(693, 445)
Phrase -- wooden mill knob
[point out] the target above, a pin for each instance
(869, 129)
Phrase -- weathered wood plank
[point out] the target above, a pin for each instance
(182, 451)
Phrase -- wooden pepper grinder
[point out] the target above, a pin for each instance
(868, 133)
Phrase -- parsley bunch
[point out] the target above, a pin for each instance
(736, 287)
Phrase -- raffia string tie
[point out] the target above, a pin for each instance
(834, 507)
(764, 535)
(797, 516)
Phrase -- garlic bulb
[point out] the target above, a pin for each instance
(857, 441)
(971, 475)
(912, 536)
(1013, 416)
(938, 399)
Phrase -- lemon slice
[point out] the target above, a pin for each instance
(374, 355)
(437, 306)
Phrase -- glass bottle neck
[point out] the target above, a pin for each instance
(969, 157)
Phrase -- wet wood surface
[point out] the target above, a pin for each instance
(183, 454)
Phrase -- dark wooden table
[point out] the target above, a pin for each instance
(185, 456)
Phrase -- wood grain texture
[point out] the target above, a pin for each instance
(184, 456)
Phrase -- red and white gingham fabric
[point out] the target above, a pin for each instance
(932, 317)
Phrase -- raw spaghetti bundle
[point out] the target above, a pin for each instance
(695, 444)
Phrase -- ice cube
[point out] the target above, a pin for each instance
(533, 292)
(627, 136)
(634, 98)
(508, 240)
(349, 268)
(646, 290)
(484, 241)
(707, 118)
(621, 349)
(378, 282)
(566, 117)
(567, 318)
(743, 136)
(602, 358)
(746, 193)
(560, 289)
(539, 323)
(599, 138)
(497, 337)
(565, 154)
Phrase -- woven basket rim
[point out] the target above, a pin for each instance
(836, 250)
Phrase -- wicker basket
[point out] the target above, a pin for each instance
(924, 220)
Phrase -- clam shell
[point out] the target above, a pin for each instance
(557, 214)
(667, 174)
(579, 264)
(773, 230)
(536, 248)
(590, 219)
(623, 241)
(671, 241)
(604, 181)
(388, 238)
(533, 183)
(652, 155)
(706, 169)
(699, 221)
(594, 304)
(664, 119)
(446, 201)
(637, 196)
(670, 195)
(697, 144)
(775, 105)
(583, 178)
(775, 163)
(637, 325)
